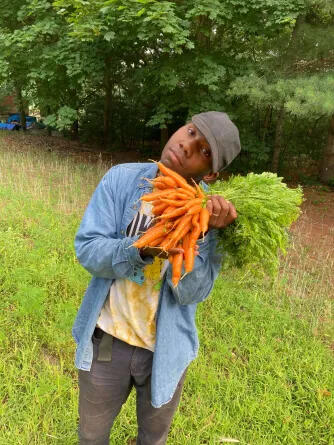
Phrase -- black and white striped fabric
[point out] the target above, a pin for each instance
(141, 222)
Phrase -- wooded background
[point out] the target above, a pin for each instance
(129, 72)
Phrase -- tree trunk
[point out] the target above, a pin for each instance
(21, 107)
(266, 122)
(75, 130)
(108, 87)
(143, 135)
(290, 56)
(163, 137)
(326, 173)
(48, 128)
(278, 140)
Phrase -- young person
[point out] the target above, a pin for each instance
(129, 332)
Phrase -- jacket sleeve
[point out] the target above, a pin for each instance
(197, 285)
(97, 246)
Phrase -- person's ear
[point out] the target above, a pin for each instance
(210, 177)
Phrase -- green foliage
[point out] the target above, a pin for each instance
(266, 208)
(255, 156)
(63, 120)
(312, 97)
(304, 97)
(122, 66)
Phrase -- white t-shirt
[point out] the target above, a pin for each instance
(129, 312)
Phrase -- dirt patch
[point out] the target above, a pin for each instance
(317, 221)
(49, 358)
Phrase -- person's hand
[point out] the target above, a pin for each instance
(222, 212)
(156, 251)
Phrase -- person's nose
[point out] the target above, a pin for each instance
(187, 147)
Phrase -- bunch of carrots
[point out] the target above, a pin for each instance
(180, 217)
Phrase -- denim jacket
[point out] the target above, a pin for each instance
(103, 248)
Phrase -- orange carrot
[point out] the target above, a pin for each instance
(204, 217)
(195, 209)
(166, 224)
(167, 180)
(157, 224)
(185, 241)
(185, 192)
(182, 228)
(195, 220)
(158, 209)
(168, 210)
(156, 242)
(176, 212)
(177, 178)
(189, 253)
(190, 195)
(183, 232)
(156, 195)
(156, 202)
(194, 202)
(177, 221)
(177, 232)
(194, 235)
(171, 193)
(160, 185)
(196, 231)
(174, 202)
(189, 259)
(151, 235)
(182, 194)
(200, 193)
(167, 243)
(177, 268)
(157, 183)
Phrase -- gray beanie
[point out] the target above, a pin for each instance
(222, 136)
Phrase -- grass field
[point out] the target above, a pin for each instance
(265, 371)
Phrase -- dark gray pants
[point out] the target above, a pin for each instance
(105, 388)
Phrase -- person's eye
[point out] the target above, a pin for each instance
(206, 151)
(191, 131)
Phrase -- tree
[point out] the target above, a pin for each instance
(15, 60)
(296, 75)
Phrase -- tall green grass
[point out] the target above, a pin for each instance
(264, 374)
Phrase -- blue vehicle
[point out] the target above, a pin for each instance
(13, 122)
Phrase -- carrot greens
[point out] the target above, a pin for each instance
(266, 209)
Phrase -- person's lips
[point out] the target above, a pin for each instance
(175, 156)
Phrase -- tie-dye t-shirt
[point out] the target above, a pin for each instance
(129, 312)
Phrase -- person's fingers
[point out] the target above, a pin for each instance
(209, 206)
(175, 250)
(215, 210)
(220, 209)
(230, 216)
(224, 211)
(233, 211)
(163, 255)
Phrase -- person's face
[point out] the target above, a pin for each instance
(188, 153)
